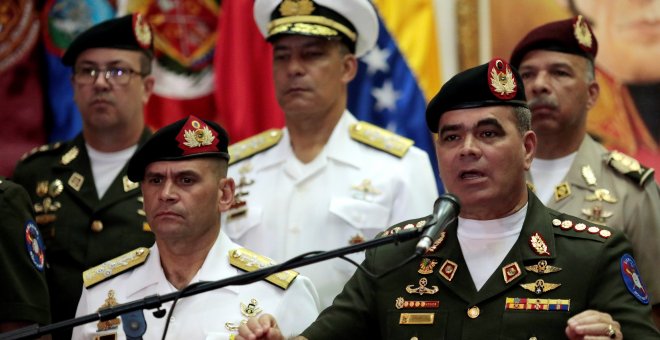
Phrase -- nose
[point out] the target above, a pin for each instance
(470, 148)
(295, 66)
(167, 192)
(538, 84)
(101, 80)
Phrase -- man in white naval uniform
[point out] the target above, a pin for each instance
(571, 172)
(326, 180)
(182, 169)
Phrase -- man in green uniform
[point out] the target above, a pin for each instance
(507, 267)
(86, 207)
(572, 172)
(23, 289)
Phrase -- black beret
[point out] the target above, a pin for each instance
(491, 84)
(573, 36)
(184, 139)
(130, 32)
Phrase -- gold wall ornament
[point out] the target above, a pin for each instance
(296, 7)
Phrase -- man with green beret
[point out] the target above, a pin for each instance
(507, 266)
(86, 207)
(571, 171)
(23, 289)
(182, 169)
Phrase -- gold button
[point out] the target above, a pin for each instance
(532, 338)
(97, 226)
(473, 312)
(414, 338)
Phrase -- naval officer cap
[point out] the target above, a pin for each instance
(353, 21)
(495, 83)
(130, 32)
(572, 36)
(184, 139)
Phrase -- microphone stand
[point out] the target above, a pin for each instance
(155, 301)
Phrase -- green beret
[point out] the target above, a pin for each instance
(573, 36)
(130, 32)
(491, 84)
(184, 139)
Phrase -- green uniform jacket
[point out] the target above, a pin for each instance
(80, 231)
(635, 210)
(590, 277)
(23, 289)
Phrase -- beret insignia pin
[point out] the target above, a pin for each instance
(502, 83)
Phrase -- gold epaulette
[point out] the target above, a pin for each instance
(254, 145)
(115, 266)
(39, 149)
(250, 261)
(380, 138)
(630, 167)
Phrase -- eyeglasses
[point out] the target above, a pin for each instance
(113, 75)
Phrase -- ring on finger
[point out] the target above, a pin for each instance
(611, 332)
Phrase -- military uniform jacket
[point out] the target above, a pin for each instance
(23, 289)
(636, 210)
(80, 231)
(207, 315)
(348, 194)
(591, 277)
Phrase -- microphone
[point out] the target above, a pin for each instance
(445, 211)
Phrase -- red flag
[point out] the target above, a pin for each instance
(244, 91)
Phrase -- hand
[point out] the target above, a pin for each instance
(592, 324)
(263, 327)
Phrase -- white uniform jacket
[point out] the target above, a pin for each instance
(348, 194)
(206, 315)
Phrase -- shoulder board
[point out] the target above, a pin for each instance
(254, 145)
(629, 167)
(250, 261)
(41, 149)
(380, 138)
(115, 266)
(574, 227)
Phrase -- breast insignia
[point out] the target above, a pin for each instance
(629, 167)
(115, 266)
(254, 145)
(380, 138)
(250, 261)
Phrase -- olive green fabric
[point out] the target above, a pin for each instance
(590, 277)
(72, 246)
(23, 289)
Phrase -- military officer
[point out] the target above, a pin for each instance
(508, 267)
(182, 169)
(86, 207)
(572, 172)
(23, 289)
(326, 180)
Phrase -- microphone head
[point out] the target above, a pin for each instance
(451, 198)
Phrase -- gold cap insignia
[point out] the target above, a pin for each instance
(502, 82)
(142, 31)
(539, 287)
(582, 33)
(296, 7)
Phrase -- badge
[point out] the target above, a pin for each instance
(436, 243)
(538, 244)
(588, 175)
(596, 214)
(582, 33)
(364, 189)
(356, 239)
(142, 31)
(416, 318)
(448, 269)
(601, 195)
(296, 7)
(34, 245)
(562, 191)
(76, 181)
(633, 280)
(401, 303)
(48, 206)
(421, 290)
(69, 155)
(426, 266)
(128, 184)
(542, 268)
(510, 272)
(502, 83)
(195, 137)
(112, 323)
(248, 310)
(539, 287)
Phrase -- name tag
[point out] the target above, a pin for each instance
(416, 318)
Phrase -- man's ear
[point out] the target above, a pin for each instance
(593, 91)
(148, 84)
(529, 144)
(226, 192)
(349, 67)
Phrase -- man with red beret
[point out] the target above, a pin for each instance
(571, 171)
